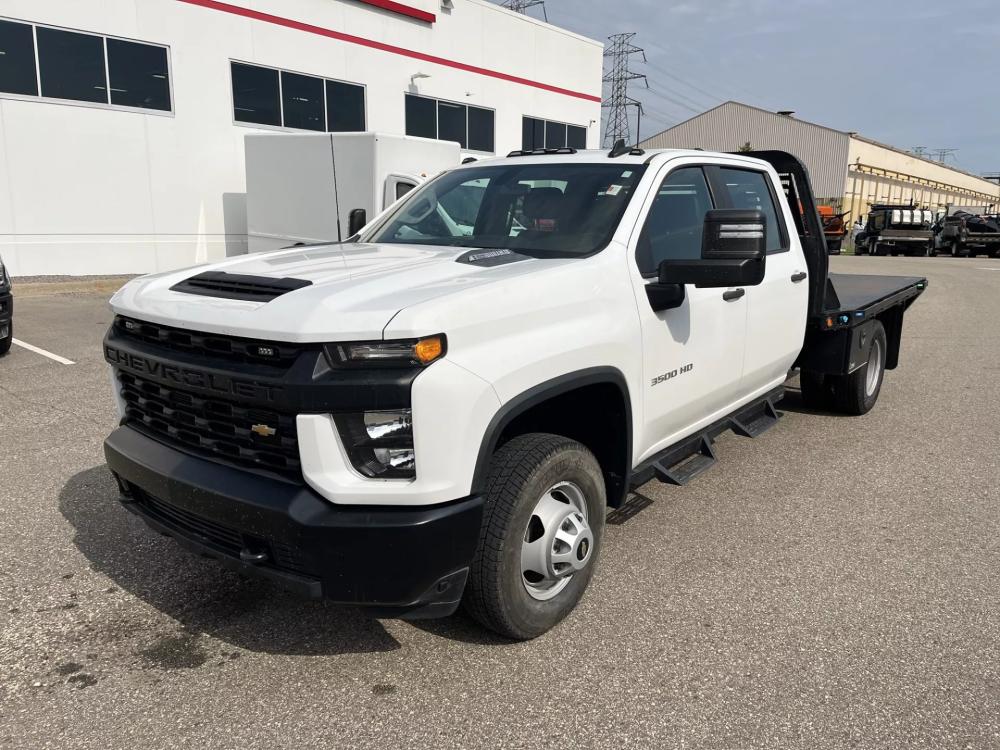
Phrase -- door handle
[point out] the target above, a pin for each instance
(733, 294)
(800, 276)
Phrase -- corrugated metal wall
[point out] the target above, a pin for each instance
(731, 125)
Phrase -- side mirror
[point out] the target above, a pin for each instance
(733, 251)
(356, 220)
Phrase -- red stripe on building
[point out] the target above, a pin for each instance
(371, 43)
(405, 10)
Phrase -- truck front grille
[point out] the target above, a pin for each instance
(214, 427)
(210, 345)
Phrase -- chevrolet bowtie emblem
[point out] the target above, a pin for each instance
(263, 430)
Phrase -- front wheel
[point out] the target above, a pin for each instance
(6, 340)
(857, 392)
(542, 528)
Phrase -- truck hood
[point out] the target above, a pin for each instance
(354, 289)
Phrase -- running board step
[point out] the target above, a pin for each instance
(756, 420)
(689, 460)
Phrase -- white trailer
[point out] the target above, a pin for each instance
(302, 188)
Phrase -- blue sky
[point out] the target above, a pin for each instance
(918, 73)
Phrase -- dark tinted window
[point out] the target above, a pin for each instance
(17, 59)
(452, 123)
(421, 116)
(345, 107)
(139, 76)
(532, 133)
(255, 95)
(555, 135)
(402, 188)
(481, 129)
(72, 65)
(536, 133)
(676, 220)
(302, 101)
(749, 189)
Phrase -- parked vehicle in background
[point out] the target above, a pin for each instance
(437, 412)
(6, 310)
(301, 188)
(834, 228)
(894, 229)
(963, 234)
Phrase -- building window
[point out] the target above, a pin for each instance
(302, 101)
(267, 96)
(76, 66)
(537, 133)
(473, 127)
(139, 76)
(345, 107)
(72, 65)
(17, 59)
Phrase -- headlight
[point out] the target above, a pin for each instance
(404, 352)
(379, 443)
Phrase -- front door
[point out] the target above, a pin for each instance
(692, 354)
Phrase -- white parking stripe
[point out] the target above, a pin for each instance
(36, 350)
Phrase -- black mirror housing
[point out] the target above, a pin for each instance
(356, 220)
(733, 251)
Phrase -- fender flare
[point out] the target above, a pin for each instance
(535, 395)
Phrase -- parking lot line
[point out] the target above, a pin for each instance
(36, 350)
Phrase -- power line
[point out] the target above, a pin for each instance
(619, 52)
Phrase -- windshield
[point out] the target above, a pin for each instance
(542, 209)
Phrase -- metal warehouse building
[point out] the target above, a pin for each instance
(848, 171)
(122, 123)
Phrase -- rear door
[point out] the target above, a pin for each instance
(692, 354)
(777, 308)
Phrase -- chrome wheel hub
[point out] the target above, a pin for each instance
(557, 543)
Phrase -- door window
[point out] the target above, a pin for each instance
(676, 220)
(748, 189)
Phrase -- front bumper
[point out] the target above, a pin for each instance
(400, 562)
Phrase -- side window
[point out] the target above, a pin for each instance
(748, 189)
(676, 220)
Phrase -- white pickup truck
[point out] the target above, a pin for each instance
(425, 416)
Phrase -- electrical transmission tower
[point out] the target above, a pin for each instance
(617, 77)
(920, 150)
(521, 6)
(943, 153)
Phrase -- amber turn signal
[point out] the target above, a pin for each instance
(429, 349)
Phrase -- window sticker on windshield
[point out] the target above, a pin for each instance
(626, 174)
(613, 190)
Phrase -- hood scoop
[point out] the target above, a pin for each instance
(238, 286)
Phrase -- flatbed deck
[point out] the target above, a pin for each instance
(860, 296)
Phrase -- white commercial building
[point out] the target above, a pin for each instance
(122, 122)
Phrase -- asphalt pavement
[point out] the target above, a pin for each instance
(834, 583)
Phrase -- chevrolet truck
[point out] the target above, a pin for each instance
(427, 416)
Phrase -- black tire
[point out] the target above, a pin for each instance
(852, 392)
(833, 247)
(5, 342)
(521, 472)
(816, 389)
